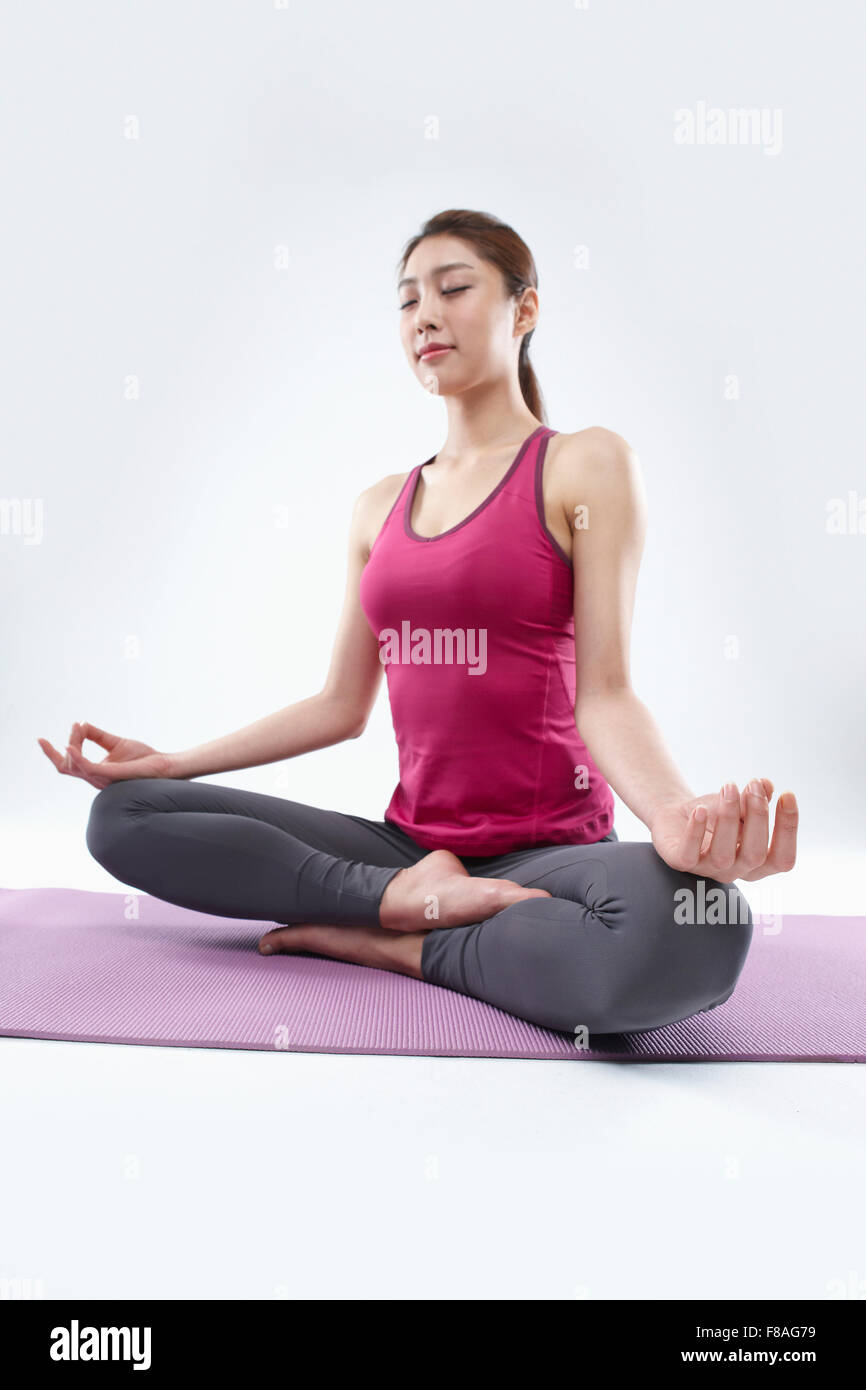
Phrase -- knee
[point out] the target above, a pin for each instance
(112, 811)
(719, 918)
(680, 943)
(731, 941)
(699, 932)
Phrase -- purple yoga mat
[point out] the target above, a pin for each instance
(129, 968)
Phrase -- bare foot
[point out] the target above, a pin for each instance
(391, 950)
(439, 892)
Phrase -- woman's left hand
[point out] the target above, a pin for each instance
(731, 840)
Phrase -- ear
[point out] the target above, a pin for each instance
(526, 315)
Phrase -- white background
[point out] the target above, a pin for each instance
(190, 571)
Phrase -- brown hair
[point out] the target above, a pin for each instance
(498, 244)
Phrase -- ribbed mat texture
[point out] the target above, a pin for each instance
(128, 968)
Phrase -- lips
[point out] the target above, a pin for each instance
(433, 349)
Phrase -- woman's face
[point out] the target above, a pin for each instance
(448, 294)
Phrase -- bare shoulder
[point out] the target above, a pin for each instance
(597, 469)
(595, 458)
(373, 505)
(594, 445)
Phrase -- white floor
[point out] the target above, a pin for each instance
(135, 1172)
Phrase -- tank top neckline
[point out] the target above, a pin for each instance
(509, 473)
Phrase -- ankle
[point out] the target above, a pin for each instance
(389, 899)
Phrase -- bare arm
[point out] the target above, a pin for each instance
(338, 711)
(621, 734)
(720, 834)
(298, 728)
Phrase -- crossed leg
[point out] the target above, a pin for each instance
(614, 940)
(625, 943)
(236, 853)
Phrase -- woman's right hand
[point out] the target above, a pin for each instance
(126, 758)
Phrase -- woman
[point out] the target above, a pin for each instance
(495, 583)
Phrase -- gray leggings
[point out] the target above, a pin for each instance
(616, 949)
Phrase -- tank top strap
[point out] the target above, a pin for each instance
(532, 466)
(526, 478)
(522, 478)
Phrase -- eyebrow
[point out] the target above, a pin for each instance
(452, 265)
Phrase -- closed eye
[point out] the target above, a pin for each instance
(457, 290)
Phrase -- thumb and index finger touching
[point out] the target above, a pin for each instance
(74, 760)
(82, 730)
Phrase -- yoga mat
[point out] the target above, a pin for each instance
(129, 968)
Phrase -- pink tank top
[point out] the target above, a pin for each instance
(476, 633)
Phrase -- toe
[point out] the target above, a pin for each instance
(284, 940)
(274, 941)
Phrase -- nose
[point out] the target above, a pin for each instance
(424, 316)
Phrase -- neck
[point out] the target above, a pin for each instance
(481, 423)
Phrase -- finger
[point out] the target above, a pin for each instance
(783, 846)
(768, 788)
(100, 773)
(721, 853)
(51, 752)
(86, 770)
(693, 835)
(753, 844)
(78, 760)
(74, 747)
(97, 735)
(75, 762)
